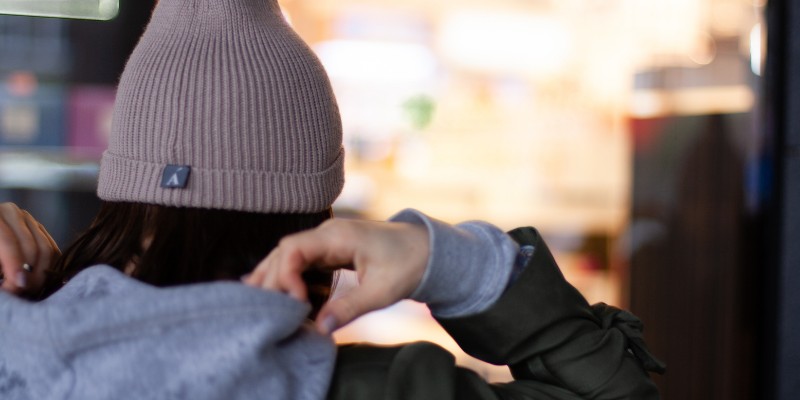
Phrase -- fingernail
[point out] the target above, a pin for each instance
(327, 325)
(22, 280)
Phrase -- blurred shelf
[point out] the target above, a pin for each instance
(48, 169)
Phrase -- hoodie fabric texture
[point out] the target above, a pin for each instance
(105, 335)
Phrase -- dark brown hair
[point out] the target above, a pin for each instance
(184, 245)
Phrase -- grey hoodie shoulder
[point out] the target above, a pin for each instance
(105, 335)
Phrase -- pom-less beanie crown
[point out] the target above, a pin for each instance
(222, 105)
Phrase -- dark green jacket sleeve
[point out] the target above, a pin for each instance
(557, 346)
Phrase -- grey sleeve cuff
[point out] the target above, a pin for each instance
(469, 265)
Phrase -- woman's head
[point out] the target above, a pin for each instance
(226, 136)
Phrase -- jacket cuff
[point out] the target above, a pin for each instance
(469, 265)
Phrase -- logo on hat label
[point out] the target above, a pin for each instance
(175, 176)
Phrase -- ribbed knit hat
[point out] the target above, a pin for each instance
(222, 105)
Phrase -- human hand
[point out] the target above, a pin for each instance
(23, 241)
(389, 259)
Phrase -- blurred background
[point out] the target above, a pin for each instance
(638, 135)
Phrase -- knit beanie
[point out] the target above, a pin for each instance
(222, 105)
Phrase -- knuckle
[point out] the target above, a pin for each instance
(284, 274)
(357, 303)
(287, 242)
(345, 309)
(30, 251)
(5, 233)
(334, 226)
(9, 208)
(44, 248)
(27, 244)
(44, 258)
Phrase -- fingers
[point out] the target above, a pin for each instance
(53, 246)
(17, 246)
(46, 252)
(355, 303)
(389, 258)
(23, 241)
(332, 244)
(284, 274)
(282, 269)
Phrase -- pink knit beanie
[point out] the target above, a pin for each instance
(221, 105)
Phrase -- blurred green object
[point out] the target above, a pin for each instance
(80, 9)
(419, 109)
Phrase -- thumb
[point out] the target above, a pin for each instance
(342, 310)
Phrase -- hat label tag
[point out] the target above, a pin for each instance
(175, 176)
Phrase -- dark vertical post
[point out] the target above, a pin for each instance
(781, 341)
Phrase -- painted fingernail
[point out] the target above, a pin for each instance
(22, 280)
(327, 325)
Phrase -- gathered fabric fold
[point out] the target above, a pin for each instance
(632, 327)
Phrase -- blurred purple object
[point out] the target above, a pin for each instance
(90, 111)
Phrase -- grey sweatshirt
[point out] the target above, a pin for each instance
(107, 336)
